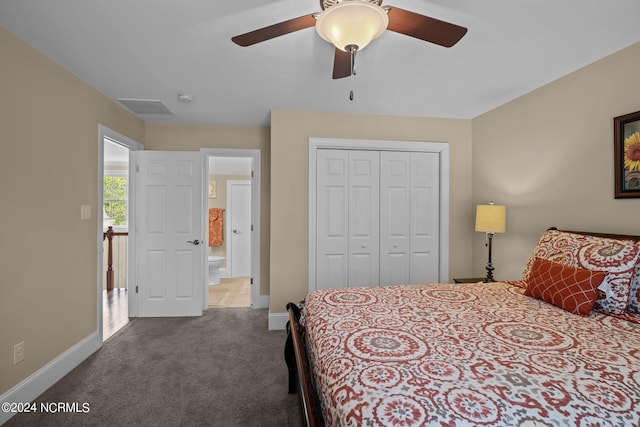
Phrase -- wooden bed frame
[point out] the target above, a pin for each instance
(297, 359)
(300, 379)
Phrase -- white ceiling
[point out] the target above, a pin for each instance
(155, 49)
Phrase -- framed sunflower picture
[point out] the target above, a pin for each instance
(626, 131)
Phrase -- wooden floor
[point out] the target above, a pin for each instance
(114, 311)
(235, 292)
(229, 293)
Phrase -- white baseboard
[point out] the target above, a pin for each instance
(38, 382)
(278, 321)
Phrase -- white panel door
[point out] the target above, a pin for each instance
(425, 217)
(169, 231)
(364, 222)
(240, 224)
(395, 216)
(332, 243)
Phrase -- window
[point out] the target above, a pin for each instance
(115, 199)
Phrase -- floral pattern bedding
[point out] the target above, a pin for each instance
(469, 355)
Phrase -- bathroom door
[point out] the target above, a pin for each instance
(239, 201)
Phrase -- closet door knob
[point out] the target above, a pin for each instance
(194, 242)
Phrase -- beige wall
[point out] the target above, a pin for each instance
(548, 156)
(290, 133)
(191, 138)
(48, 169)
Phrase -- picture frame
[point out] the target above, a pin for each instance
(626, 138)
(213, 189)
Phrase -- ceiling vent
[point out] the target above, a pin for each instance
(145, 106)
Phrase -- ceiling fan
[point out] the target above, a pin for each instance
(351, 24)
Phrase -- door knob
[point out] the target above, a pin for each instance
(235, 231)
(194, 242)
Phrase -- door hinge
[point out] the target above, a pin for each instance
(136, 289)
(137, 168)
(251, 227)
(251, 281)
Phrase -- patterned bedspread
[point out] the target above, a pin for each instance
(468, 355)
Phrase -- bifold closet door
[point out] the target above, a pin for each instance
(409, 217)
(425, 218)
(364, 218)
(347, 218)
(332, 227)
(377, 218)
(395, 218)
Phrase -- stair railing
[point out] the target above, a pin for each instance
(109, 234)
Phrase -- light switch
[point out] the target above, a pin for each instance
(85, 212)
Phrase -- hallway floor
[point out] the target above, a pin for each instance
(114, 311)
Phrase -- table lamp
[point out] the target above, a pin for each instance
(490, 219)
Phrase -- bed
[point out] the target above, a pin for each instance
(560, 347)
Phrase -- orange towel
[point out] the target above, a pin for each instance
(216, 216)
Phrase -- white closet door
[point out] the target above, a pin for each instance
(332, 244)
(425, 218)
(377, 220)
(364, 223)
(395, 216)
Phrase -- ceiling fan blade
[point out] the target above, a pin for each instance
(341, 64)
(276, 30)
(424, 27)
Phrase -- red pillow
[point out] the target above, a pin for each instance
(572, 289)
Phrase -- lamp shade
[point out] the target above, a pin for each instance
(352, 22)
(491, 218)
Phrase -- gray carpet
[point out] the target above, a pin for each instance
(222, 369)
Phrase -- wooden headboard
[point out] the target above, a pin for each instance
(607, 235)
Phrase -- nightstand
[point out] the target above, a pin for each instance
(469, 280)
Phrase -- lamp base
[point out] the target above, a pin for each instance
(489, 278)
(489, 266)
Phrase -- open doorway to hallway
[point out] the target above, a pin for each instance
(115, 209)
(115, 225)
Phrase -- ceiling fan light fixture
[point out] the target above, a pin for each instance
(352, 22)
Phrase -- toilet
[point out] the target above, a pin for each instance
(215, 262)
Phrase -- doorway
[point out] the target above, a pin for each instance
(229, 240)
(233, 183)
(115, 312)
(115, 211)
